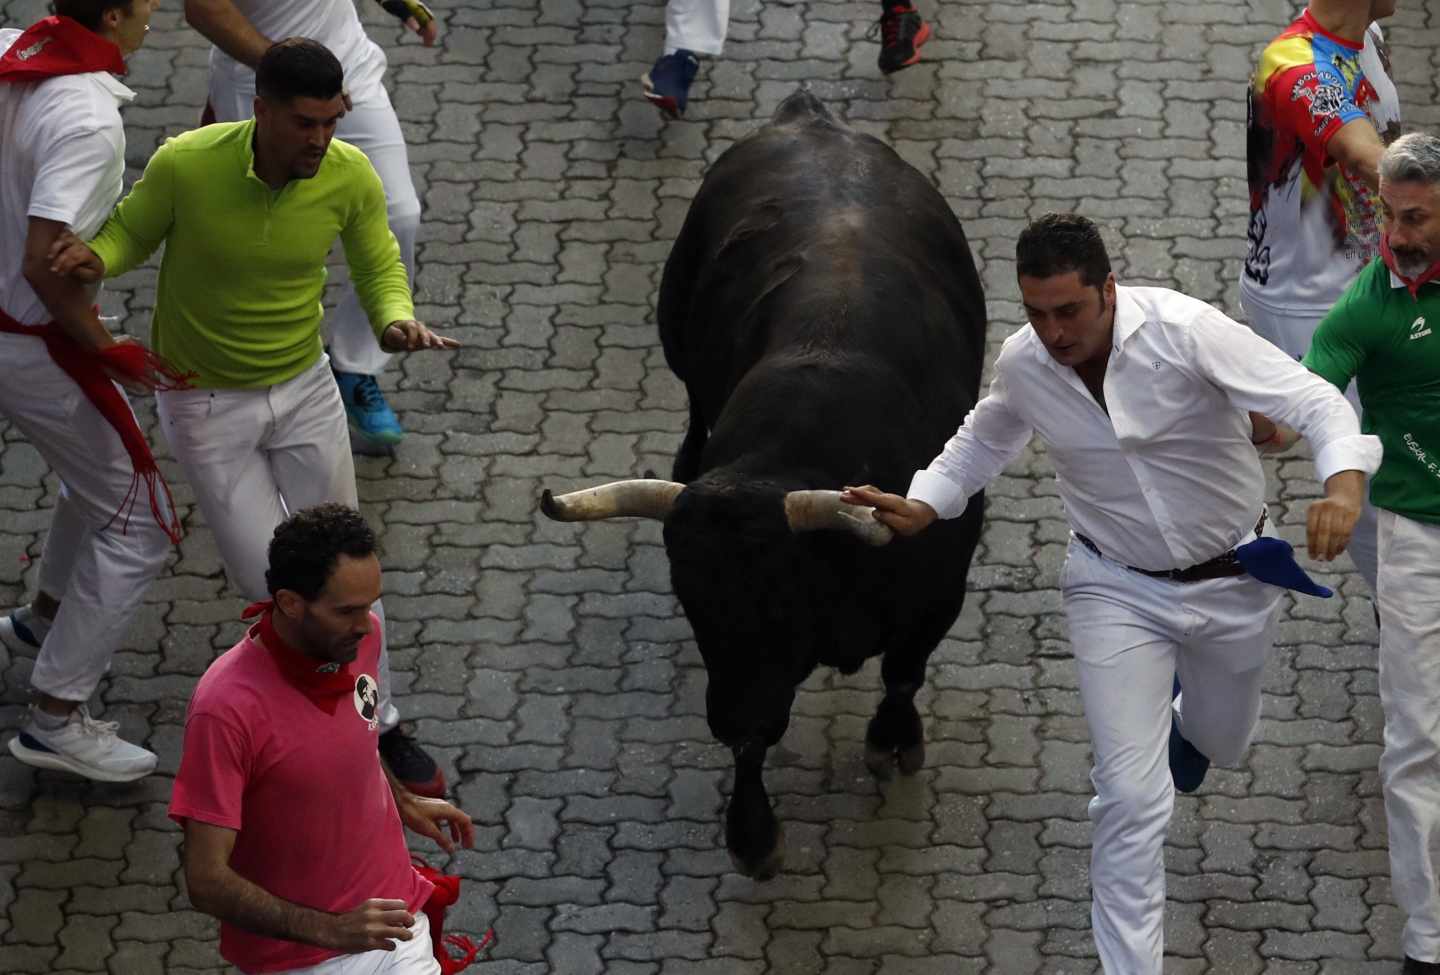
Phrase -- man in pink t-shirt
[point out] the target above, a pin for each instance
(293, 834)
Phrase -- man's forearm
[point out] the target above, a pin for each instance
(71, 307)
(233, 899)
(228, 29)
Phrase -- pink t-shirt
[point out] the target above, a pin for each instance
(294, 770)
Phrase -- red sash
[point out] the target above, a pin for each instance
(1413, 285)
(128, 359)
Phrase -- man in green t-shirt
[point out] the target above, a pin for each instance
(248, 212)
(1383, 333)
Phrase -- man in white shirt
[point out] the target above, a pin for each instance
(1322, 108)
(1143, 398)
(62, 161)
(242, 31)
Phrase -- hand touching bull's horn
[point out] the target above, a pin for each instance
(902, 515)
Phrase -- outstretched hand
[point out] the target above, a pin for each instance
(904, 516)
(408, 335)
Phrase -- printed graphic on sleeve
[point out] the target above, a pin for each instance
(1312, 224)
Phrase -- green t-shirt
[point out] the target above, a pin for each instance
(1390, 343)
(238, 300)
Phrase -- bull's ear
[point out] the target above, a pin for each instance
(635, 498)
(809, 511)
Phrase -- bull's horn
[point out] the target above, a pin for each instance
(640, 497)
(809, 511)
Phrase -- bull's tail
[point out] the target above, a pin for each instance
(801, 106)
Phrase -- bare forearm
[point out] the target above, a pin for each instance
(70, 306)
(228, 29)
(233, 899)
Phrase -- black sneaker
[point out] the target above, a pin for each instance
(415, 769)
(901, 34)
(1414, 966)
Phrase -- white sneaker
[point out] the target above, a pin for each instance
(84, 746)
(23, 630)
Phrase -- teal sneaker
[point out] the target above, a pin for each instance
(365, 405)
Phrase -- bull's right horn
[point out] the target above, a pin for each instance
(809, 511)
(639, 498)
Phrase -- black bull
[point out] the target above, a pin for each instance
(823, 310)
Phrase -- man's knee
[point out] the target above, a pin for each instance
(1139, 800)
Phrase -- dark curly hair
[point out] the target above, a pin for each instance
(298, 67)
(87, 13)
(1059, 243)
(309, 543)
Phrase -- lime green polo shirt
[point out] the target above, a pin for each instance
(1389, 341)
(241, 281)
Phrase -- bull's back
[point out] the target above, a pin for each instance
(808, 241)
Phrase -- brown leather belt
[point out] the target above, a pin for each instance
(1220, 567)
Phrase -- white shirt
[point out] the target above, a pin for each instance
(1169, 478)
(334, 23)
(62, 157)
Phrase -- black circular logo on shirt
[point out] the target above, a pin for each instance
(367, 697)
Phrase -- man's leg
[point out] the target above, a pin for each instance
(1222, 661)
(692, 27)
(1125, 654)
(312, 465)
(102, 565)
(217, 437)
(1409, 597)
(371, 126)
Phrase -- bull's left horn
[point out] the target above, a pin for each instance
(639, 497)
(809, 511)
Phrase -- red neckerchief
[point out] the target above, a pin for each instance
(323, 683)
(1412, 284)
(87, 369)
(57, 46)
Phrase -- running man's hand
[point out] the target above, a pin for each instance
(417, 17)
(373, 926)
(408, 335)
(906, 517)
(71, 257)
(1332, 518)
(433, 817)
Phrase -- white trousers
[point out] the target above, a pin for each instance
(413, 957)
(1409, 600)
(1292, 334)
(1131, 635)
(372, 127)
(696, 25)
(97, 565)
(252, 456)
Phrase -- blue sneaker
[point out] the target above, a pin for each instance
(1187, 765)
(367, 409)
(667, 85)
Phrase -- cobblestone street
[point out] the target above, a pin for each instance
(549, 666)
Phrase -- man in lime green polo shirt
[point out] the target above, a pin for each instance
(1385, 332)
(248, 212)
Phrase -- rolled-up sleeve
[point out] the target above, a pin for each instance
(990, 438)
(1255, 375)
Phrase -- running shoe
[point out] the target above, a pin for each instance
(411, 764)
(23, 630)
(667, 85)
(365, 405)
(83, 746)
(901, 34)
(1187, 764)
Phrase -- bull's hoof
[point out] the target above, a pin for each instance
(912, 759)
(880, 761)
(766, 867)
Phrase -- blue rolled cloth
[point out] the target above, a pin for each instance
(1272, 560)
